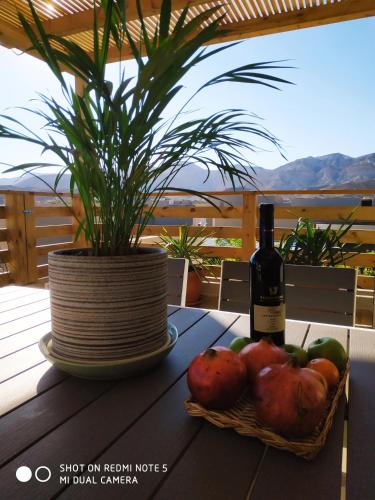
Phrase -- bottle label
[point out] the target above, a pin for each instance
(269, 319)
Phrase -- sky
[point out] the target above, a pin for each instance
(329, 108)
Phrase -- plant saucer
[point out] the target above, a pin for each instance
(109, 369)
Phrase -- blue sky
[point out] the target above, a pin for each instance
(330, 108)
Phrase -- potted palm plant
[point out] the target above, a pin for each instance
(191, 248)
(313, 246)
(108, 300)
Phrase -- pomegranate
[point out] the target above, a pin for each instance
(260, 354)
(290, 400)
(216, 378)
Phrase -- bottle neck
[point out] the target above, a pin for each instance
(266, 237)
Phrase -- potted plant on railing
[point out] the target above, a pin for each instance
(108, 301)
(314, 246)
(191, 248)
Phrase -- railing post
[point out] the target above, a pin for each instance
(30, 229)
(249, 224)
(16, 237)
(79, 215)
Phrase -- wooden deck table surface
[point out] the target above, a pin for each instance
(101, 433)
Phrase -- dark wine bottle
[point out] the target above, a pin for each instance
(267, 294)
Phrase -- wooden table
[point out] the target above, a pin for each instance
(53, 420)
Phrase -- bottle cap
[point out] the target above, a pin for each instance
(266, 215)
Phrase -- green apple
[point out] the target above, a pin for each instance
(298, 353)
(239, 343)
(328, 348)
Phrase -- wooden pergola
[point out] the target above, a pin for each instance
(246, 18)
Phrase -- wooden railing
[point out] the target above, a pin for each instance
(33, 224)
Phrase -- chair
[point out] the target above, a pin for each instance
(318, 294)
(234, 287)
(177, 281)
(321, 294)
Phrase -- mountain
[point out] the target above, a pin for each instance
(330, 171)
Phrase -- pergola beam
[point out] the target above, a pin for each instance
(11, 37)
(346, 10)
(83, 21)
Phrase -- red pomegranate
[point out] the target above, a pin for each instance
(290, 400)
(216, 378)
(260, 354)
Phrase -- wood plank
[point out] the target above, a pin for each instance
(235, 271)
(320, 301)
(25, 323)
(54, 230)
(3, 214)
(4, 279)
(52, 408)
(238, 306)
(12, 291)
(33, 381)
(184, 318)
(361, 259)
(84, 439)
(177, 281)
(321, 277)
(32, 256)
(42, 270)
(55, 211)
(26, 310)
(18, 302)
(3, 232)
(337, 332)
(316, 479)
(249, 224)
(45, 249)
(360, 482)
(217, 231)
(199, 212)
(229, 252)
(366, 282)
(20, 361)
(310, 314)
(16, 237)
(77, 22)
(237, 291)
(315, 15)
(77, 205)
(4, 256)
(21, 340)
(334, 213)
(27, 385)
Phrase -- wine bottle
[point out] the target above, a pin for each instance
(267, 302)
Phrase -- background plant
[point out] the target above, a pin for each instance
(188, 247)
(115, 142)
(314, 246)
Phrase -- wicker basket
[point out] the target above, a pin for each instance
(243, 420)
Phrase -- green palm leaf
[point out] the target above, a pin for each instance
(115, 142)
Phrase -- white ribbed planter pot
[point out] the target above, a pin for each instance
(108, 307)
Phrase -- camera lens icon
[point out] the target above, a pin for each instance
(23, 474)
(42, 474)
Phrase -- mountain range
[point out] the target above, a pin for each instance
(330, 171)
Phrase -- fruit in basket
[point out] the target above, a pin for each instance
(329, 348)
(290, 400)
(260, 354)
(217, 378)
(326, 368)
(298, 353)
(238, 343)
